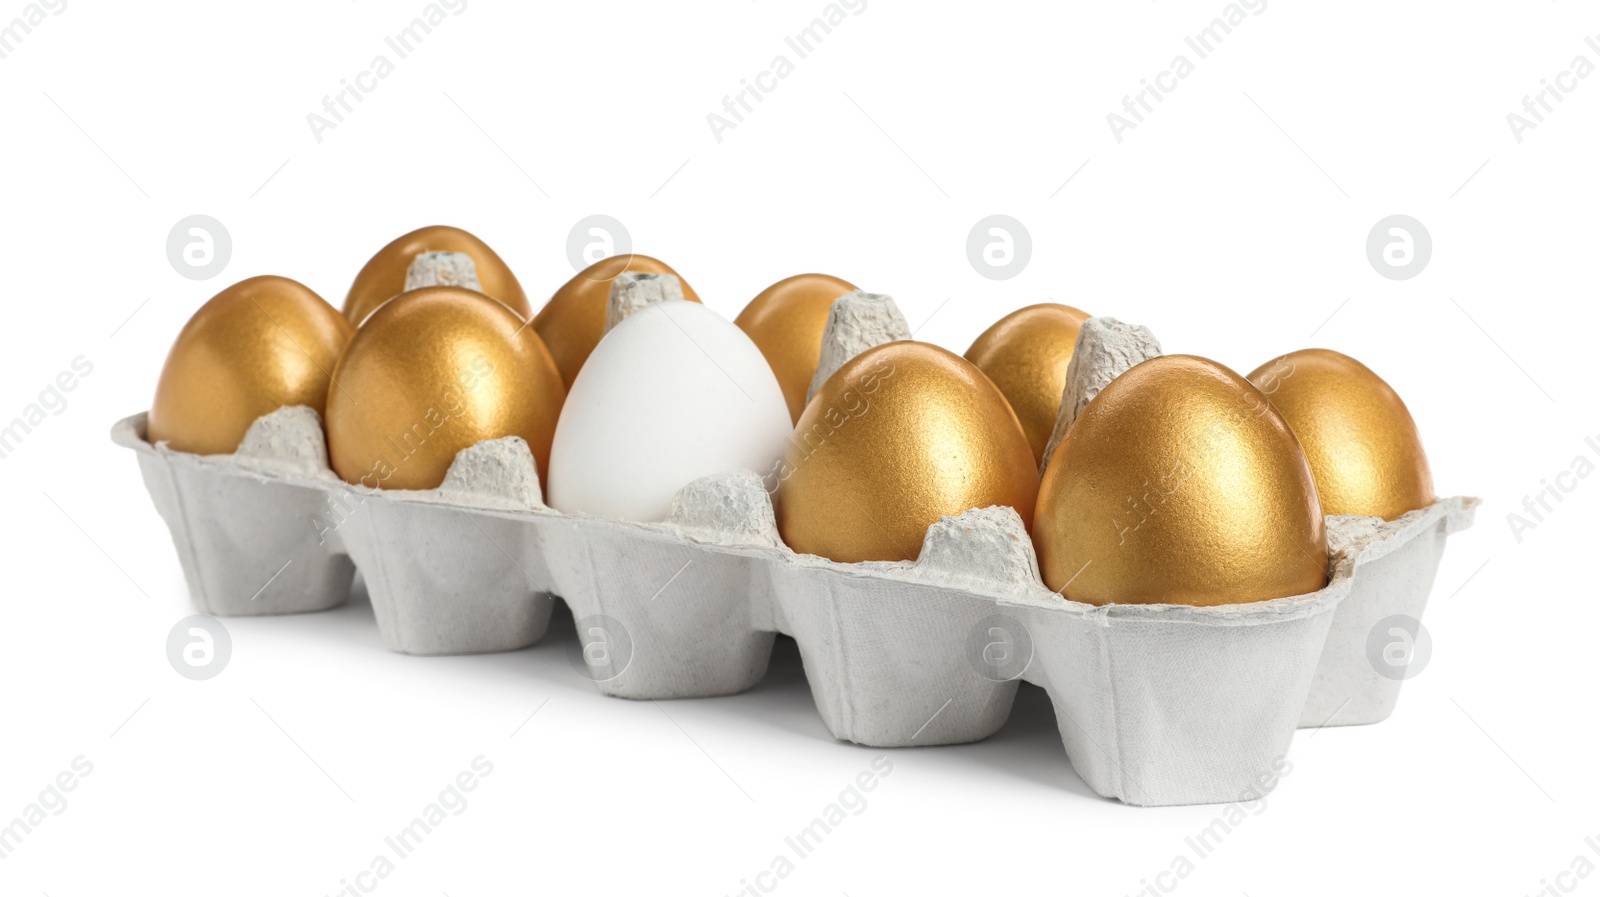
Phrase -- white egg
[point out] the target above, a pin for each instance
(673, 393)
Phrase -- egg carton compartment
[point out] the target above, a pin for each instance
(1396, 563)
(1156, 704)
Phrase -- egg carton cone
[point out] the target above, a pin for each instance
(1156, 704)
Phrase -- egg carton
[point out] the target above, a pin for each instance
(1156, 704)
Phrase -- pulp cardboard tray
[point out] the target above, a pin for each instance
(1156, 704)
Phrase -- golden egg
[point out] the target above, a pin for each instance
(786, 321)
(1365, 453)
(1179, 484)
(255, 347)
(431, 373)
(574, 319)
(384, 275)
(901, 435)
(1026, 353)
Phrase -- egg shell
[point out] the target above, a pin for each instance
(1179, 484)
(673, 393)
(573, 321)
(259, 345)
(1026, 354)
(432, 372)
(384, 275)
(786, 321)
(899, 436)
(1364, 449)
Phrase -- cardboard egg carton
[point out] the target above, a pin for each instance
(1156, 704)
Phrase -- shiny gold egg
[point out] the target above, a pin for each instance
(431, 373)
(384, 275)
(1365, 453)
(1179, 484)
(786, 321)
(1026, 354)
(574, 319)
(255, 347)
(901, 435)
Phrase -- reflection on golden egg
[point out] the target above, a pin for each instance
(901, 435)
(1179, 484)
(431, 373)
(384, 275)
(1026, 354)
(255, 347)
(574, 319)
(1363, 446)
(786, 321)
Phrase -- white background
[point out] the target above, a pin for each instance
(1233, 222)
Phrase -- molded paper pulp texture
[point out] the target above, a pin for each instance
(1156, 704)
